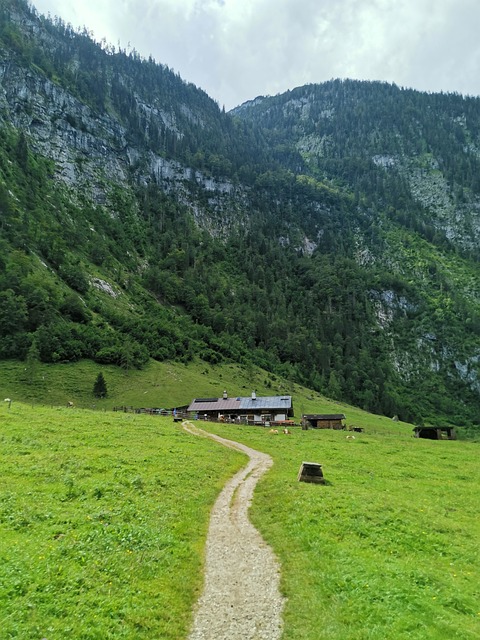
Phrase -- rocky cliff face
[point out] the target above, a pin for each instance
(457, 217)
(86, 147)
(90, 150)
(384, 130)
(410, 162)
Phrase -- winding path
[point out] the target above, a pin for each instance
(241, 598)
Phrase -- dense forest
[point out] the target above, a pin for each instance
(329, 234)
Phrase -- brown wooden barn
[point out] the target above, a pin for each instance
(435, 433)
(324, 420)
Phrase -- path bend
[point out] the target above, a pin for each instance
(241, 599)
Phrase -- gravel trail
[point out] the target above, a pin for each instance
(241, 598)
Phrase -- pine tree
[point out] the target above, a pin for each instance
(334, 389)
(100, 387)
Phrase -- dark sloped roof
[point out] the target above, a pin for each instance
(324, 416)
(214, 404)
(241, 404)
(433, 428)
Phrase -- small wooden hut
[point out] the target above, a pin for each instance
(435, 433)
(324, 421)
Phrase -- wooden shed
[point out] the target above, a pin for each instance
(435, 433)
(324, 420)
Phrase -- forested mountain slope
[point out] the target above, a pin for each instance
(330, 234)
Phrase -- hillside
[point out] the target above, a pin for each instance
(329, 235)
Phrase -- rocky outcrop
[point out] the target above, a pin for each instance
(91, 150)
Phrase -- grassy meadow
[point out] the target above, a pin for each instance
(388, 549)
(103, 519)
(166, 385)
(103, 515)
(159, 384)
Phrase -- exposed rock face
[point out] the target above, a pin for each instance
(83, 145)
(104, 286)
(459, 221)
(91, 150)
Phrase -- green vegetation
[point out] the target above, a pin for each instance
(100, 386)
(103, 520)
(159, 384)
(328, 235)
(319, 243)
(387, 549)
(168, 385)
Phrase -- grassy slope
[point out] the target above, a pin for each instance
(158, 385)
(168, 385)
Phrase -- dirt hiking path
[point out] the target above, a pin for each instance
(241, 598)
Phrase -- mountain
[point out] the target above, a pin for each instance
(329, 234)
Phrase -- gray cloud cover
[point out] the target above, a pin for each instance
(238, 49)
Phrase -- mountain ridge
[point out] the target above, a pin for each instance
(330, 234)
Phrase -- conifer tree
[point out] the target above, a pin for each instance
(100, 387)
(22, 151)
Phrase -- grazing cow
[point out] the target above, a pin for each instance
(286, 431)
(274, 431)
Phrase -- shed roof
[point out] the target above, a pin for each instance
(433, 428)
(324, 416)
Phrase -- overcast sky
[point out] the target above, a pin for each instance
(238, 49)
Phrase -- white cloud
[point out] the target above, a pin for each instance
(238, 49)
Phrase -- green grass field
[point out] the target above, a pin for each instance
(389, 548)
(103, 515)
(103, 519)
(159, 384)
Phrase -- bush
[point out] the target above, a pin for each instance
(129, 355)
(75, 277)
(73, 308)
